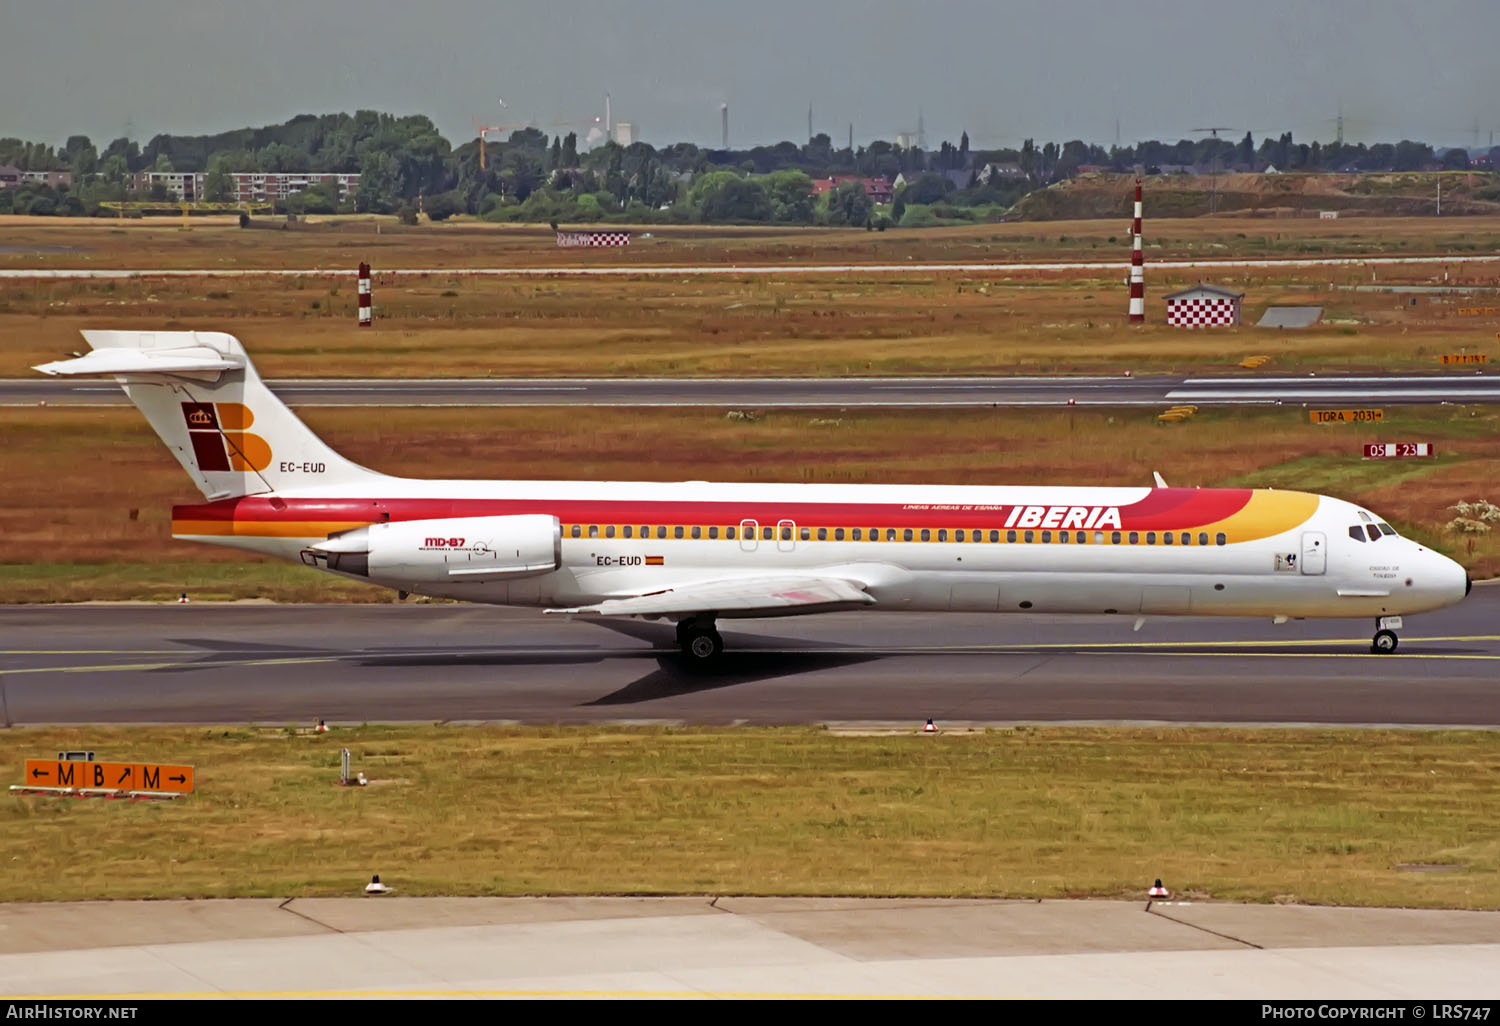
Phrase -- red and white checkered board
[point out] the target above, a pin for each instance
(1200, 313)
(593, 238)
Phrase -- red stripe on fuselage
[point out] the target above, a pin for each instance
(1177, 508)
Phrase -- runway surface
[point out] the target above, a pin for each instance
(1145, 390)
(646, 270)
(441, 662)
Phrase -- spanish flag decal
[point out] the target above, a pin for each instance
(654, 561)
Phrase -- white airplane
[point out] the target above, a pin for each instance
(698, 552)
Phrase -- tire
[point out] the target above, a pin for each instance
(702, 648)
(1384, 643)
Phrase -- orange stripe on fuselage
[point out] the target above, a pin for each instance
(263, 528)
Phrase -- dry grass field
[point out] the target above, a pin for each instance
(1335, 817)
(87, 504)
(455, 324)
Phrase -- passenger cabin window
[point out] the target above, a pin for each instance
(1187, 538)
(767, 533)
(593, 530)
(575, 531)
(1114, 537)
(906, 534)
(1010, 536)
(1202, 537)
(1150, 537)
(1135, 538)
(926, 534)
(805, 533)
(627, 529)
(890, 534)
(822, 534)
(697, 532)
(1219, 539)
(1166, 537)
(943, 534)
(874, 534)
(854, 534)
(1098, 537)
(1063, 537)
(713, 532)
(1030, 537)
(609, 532)
(730, 532)
(676, 532)
(661, 530)
(786, 532)
(958, 535)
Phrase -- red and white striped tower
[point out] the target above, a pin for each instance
(365, 313)
(1137, 265)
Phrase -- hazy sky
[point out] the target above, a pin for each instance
(1002, 69)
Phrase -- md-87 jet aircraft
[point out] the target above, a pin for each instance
(698, 552)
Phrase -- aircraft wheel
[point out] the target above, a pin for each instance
(702, 646)
(1384, 642)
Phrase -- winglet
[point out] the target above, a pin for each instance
(1159, 482)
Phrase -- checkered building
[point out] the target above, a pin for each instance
(593, 238)
(1204, 306)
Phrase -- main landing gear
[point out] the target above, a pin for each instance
(700, 643)
(1385, 639)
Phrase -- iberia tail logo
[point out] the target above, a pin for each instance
(220, 440)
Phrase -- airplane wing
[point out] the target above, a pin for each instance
(738, 597)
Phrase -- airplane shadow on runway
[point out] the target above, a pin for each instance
(755, 658)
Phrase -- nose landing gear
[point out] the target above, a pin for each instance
(1385, 640)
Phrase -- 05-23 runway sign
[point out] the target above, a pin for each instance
(111, 776)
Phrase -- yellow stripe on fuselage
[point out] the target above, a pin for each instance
(1267, 513)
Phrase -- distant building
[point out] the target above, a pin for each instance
(906, 140)
(51, 179)
(880, 190)
(1004, 172)
(10, 177)
(626, 133)
(185, 186)
(1204, 306)
(269, 186)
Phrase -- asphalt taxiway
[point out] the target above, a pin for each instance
(238, 663)
(1119, 390)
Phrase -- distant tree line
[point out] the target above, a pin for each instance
(405, 164)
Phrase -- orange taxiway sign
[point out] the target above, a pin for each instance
(114, 776)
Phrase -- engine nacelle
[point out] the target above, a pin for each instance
(451, 550)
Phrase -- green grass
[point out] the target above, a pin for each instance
(1319, 816)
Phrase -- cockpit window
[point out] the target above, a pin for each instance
(1385, 528)
(1356, 533)
(1373, 532)
(1364, 516)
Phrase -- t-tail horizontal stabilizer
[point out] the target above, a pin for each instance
(205, 400)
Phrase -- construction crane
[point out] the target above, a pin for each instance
(484, 131)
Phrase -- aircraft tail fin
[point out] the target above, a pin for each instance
(205, 400)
